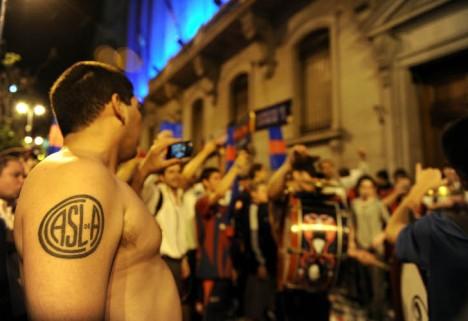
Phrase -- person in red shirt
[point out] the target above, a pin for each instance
(215, 232)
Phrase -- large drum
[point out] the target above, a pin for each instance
(314, 241)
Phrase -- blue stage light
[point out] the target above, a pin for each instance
(158, 29)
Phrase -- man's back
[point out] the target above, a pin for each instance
(438, 246)
(89, 247)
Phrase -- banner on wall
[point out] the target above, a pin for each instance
(277, 147)
(273, 116)
(239, 135)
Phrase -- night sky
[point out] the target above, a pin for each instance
(51, 34)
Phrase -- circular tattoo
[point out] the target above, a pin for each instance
(73, 228)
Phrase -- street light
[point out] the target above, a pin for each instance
(38, 140)
(22, 108)
(28, 140)
(39, 110)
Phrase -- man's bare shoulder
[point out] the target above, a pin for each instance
(60, 176)
(68, 229)
(59, 164)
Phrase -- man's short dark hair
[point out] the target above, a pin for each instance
(164, 170)
(400, 173)
(344, 172)
(383, 174)
(207, 172)
(305, 163)
(254, 169)
(79, 95)
(455, 148)
(4, 160)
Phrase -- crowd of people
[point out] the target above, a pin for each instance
(221, 229)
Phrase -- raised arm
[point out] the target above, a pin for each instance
(277, 183)
(240, 166)
(197, 162)
(69, 236)
(399, 190)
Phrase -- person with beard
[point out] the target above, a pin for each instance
(296, 175)
(88, 247)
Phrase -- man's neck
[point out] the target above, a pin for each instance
(98, 142)
(460, 217)
(173, 190)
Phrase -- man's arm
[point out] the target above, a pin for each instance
(391, 198)
(277, 183)
(425, 180)
(240, 166)
(69, 239)
(195, 163)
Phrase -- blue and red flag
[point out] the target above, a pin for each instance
(277, 147)
(55, 138)
(238, 137)
(230, 147)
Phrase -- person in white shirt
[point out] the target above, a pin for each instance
(166, 198)
(163, 196)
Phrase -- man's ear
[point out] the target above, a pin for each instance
(119, 109)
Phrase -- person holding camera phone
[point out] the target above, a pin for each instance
(164, 196)
(438, 241)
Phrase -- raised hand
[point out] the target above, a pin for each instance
(155, 160)
(428, 178)
(242, 162)
(296, 150)
(210, 147)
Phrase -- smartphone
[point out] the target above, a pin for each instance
(180, 150)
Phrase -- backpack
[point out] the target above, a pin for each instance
(159, 204)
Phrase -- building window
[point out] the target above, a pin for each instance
(197, 124)
(239, 99)
(316, 81)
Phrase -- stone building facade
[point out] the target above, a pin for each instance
(382, 75)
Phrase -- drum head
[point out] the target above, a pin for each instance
(414, 294)
(314, 242)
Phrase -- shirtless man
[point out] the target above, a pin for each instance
(89, 246)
